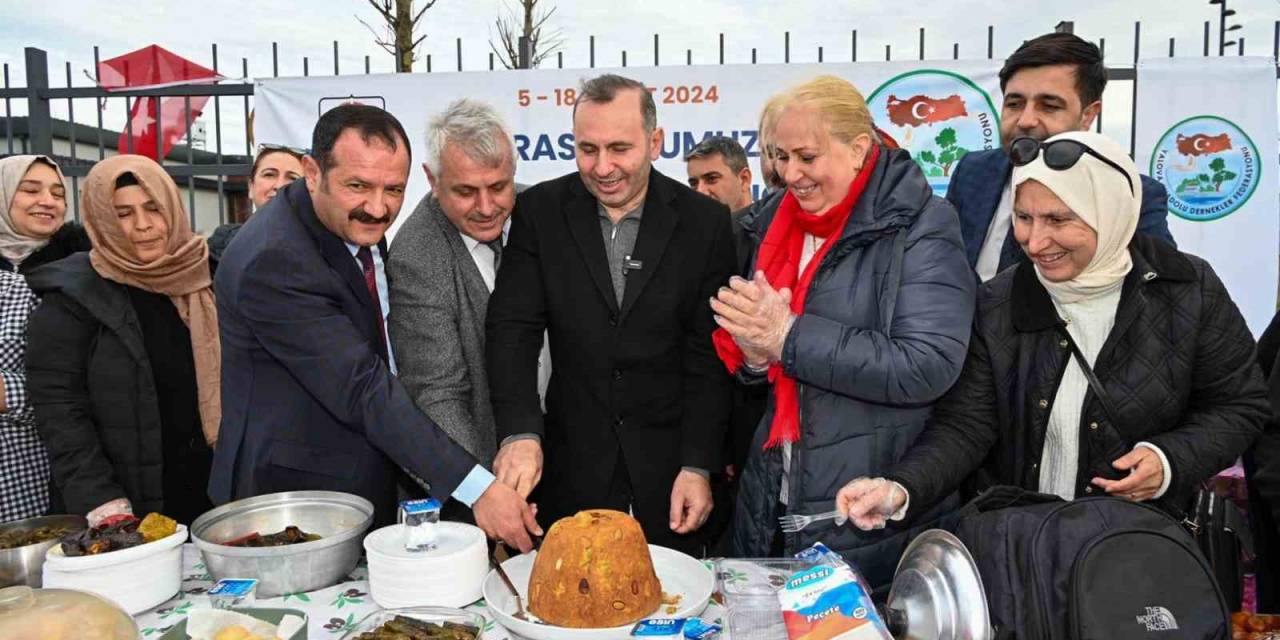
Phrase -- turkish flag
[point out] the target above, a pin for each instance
(1202, 144)
(921, 110)
(155, 121)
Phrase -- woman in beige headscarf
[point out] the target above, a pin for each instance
(1179, 396)
(124, 356)
(33, 214)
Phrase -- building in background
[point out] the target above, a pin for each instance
(199, 194)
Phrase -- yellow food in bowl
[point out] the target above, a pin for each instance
(236, 632)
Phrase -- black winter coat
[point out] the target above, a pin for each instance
(1262, 475)
(69, 239)
(91, 383)
(1178, 368)
(883, 335)
(636, 384)
(219, 240)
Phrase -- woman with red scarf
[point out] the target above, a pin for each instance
(858, 314)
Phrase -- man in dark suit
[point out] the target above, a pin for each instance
(618, 263)
(1051, 84)
(309, 395)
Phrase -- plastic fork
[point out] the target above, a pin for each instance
(794, 523)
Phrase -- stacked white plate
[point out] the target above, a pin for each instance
(451, 575)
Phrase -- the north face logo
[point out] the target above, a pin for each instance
(1158, 619)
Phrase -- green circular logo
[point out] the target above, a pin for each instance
(937, 116)
(1209, 165)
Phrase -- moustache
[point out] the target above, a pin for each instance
(362, 216)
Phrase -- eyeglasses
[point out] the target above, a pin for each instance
(1059, 155)
(264, 147)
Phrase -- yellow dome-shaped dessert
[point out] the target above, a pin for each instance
(594, 571)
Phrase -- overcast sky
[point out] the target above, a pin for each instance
(69, 29)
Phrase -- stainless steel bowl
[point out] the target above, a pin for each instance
(340, 519)
(23, 565)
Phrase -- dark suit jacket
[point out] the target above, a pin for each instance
(979, 181)
(642, 379)
(308, 401)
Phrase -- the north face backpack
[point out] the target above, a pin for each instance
(1089, 569)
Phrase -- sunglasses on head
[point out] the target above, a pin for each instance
(1059, 155)
(264, 147)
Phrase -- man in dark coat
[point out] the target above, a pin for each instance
(1051, 84)
(309, 395)
(617, 262)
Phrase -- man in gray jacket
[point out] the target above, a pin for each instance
(441, 271)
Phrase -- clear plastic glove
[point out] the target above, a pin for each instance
(119, 506)
(869, 502)
(756, 315)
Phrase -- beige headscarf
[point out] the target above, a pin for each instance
(182, 273)
(1100, 196)
(14, 246)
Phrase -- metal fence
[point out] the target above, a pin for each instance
(225, 172)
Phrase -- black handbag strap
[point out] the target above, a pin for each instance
(1233, 520)
(1094, 383)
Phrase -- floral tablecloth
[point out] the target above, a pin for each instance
(330, 612)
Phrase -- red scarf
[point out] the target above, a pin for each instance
(779, 259)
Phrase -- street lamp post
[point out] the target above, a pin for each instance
(1223, 14)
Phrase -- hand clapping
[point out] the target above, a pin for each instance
(756, 315)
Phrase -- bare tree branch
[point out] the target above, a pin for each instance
(422, 11)
(401, 21)
(384, 9)
(378, 39)
(528, 23)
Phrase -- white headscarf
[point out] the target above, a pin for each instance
(1100, 196)
(14, 246)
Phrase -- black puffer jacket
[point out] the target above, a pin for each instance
(70, 238)
(91, 383)
(883, 335)
(219, 241)
(1262, 475)
(1178, 368)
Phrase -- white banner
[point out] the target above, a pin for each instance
(1206, 130)
(938, 110)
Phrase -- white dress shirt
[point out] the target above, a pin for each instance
(1001, 224)
(379, 275)
(482, 255)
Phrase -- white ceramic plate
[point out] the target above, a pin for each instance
(136, 578)
(680, 575)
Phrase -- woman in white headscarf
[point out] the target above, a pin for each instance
(1181, 396)
(33, 210)
(33, 213)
